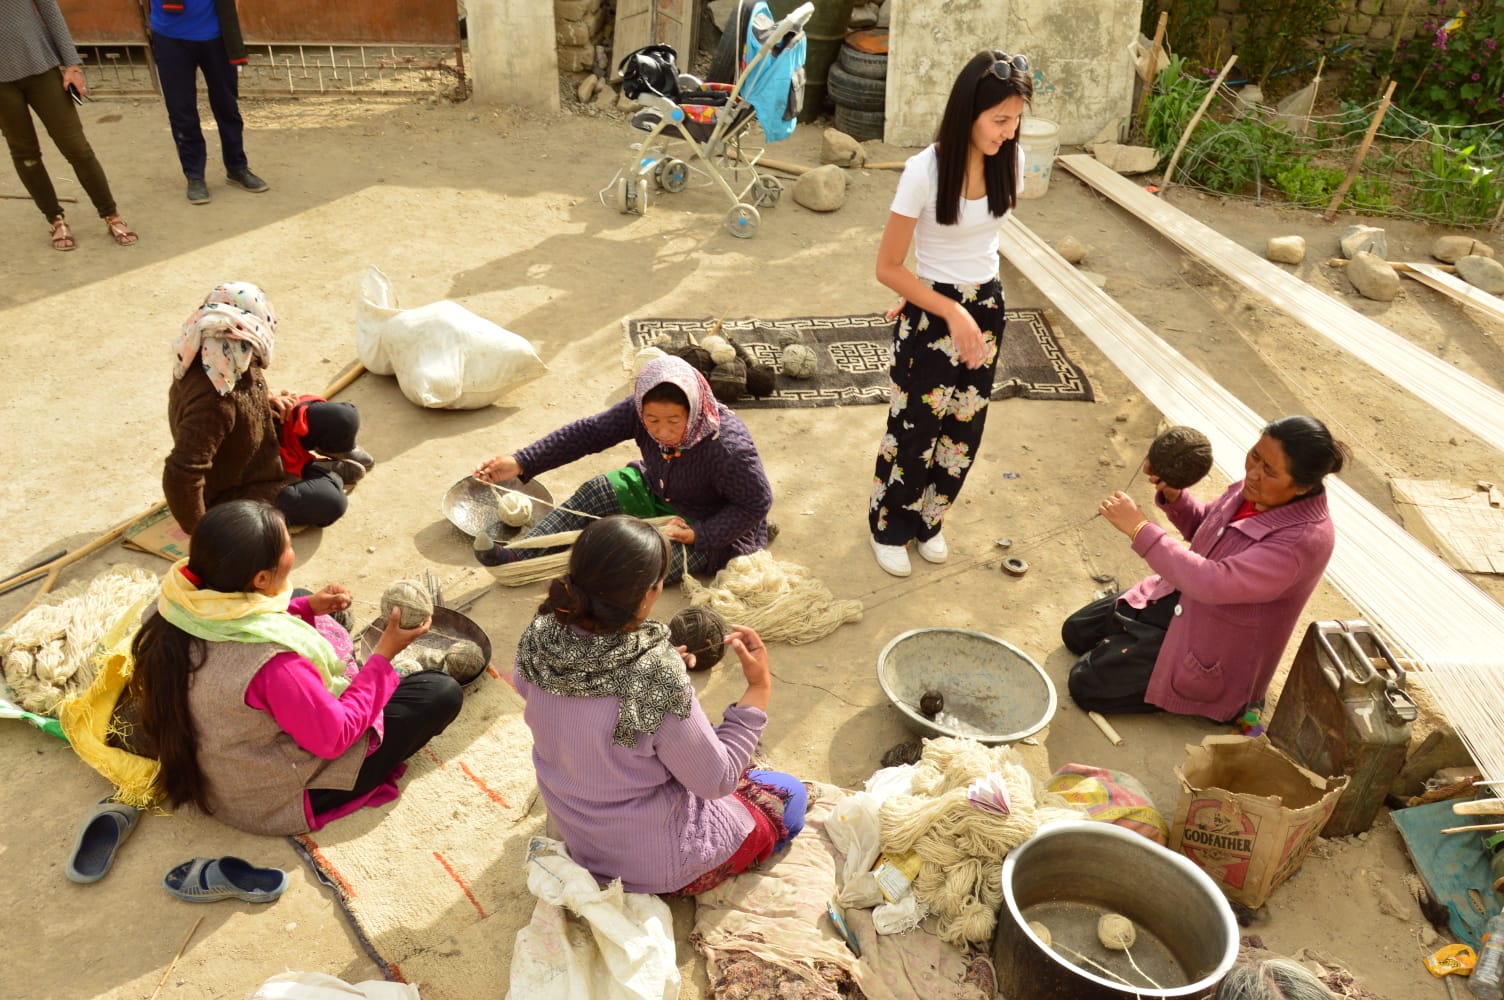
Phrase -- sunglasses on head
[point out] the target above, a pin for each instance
(1005, 66)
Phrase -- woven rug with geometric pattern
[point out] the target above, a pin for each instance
(852, 355)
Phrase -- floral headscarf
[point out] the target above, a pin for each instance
(235, 326)
(704, 411)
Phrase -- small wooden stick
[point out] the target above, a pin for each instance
(1475, 828)
(885, 165)
(1398, 265)
(1195, 120)
(1106, 727)
(173, 964)
(1352, 171)
(1479, 807)
(1151, 72)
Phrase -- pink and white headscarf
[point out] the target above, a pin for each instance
(235, 325)
(704, 411)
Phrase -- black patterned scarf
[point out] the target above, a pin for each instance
(639, 668)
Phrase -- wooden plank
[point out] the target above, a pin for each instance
(1456, 394)
(1456, 288)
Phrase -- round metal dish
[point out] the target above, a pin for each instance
(993, 692)
(470, 505)
(448, 628)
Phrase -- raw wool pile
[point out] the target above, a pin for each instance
(780, 600)
(48, 654)
(960, 845)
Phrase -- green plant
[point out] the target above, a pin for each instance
(1305, 184)
(1452, 72)
(1455, 187)
(1188, 30)
(1279, 33)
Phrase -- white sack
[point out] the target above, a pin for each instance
(444, 355)
(589, 943)
(317, 986)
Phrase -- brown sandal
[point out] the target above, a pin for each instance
(62, 236)
(120, 232)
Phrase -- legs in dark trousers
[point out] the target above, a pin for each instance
(178, 64)
(1118, 645)
(595, 496)
(332, 428)
(318, 499)
(44, 94)
(422, 707)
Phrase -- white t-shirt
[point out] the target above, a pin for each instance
(965, 253)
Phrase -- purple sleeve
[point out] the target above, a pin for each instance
(709, 761)
(1264, 571)
(583, 437)
(1186, 512)
(739, 476)
(290, 690)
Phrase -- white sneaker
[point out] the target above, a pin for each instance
(935, 550)
(894, 559)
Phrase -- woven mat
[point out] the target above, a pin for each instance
(434, 882)
(853, 354)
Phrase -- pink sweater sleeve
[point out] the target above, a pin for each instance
(290, 690)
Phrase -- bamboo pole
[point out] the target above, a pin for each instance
(1185, 136)
(1352, 171)
(1151, 73)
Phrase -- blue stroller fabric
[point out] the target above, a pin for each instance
(775, 86)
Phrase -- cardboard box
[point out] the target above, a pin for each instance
(1248, 814)
(159, 535)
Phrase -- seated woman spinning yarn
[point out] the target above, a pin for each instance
(249, 706)
(638, 782)
(231, 439)
(1203, 636)
(698, 464)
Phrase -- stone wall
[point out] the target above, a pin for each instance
(1368, 24)
(579, 25)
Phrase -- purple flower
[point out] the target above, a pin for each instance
(1475, 76)
(1490, 44)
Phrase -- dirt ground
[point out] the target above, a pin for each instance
(499, 211)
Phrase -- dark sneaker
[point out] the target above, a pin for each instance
(349, 472)
(357, 454)
(198, 191)
(248, 180)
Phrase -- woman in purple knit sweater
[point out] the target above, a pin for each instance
(699, 466)
(1204, 635)
(636, 779)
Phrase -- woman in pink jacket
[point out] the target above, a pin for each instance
(1204, 635)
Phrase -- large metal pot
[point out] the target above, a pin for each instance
(1182, 920)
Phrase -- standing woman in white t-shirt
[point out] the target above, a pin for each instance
(950, 201)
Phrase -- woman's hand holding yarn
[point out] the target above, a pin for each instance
(678, 530)
(753, 654)
(396, 638)
(334, 597)
(1167, 494)
(686, 656)
(498, 469)
(1121, 512)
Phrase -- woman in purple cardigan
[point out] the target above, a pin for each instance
(1204, 635)
(699, 466)
(639, 784)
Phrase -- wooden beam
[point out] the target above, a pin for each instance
(1151, 73)
(1435, 276)
(1362, 154)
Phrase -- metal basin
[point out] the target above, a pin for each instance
(1072, 872)
(448, 628)
(470, 505)
(994, 693)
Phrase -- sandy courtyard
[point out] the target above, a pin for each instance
(499, 211)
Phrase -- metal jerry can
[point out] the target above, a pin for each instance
(1344, 710)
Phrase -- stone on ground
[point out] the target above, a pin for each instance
(1072, 249)
(1125, 159)
(1448, 248)
(841, 149)
(1482, 272)
(823, 189)
(1364, 239)
(587, 88)
(1372, 276)
(1286, 249)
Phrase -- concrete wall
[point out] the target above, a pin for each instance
(1077, 49)
(513, 55)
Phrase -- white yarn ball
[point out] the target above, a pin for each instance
(515, 509)
(1116, 932)
(798, 360)
(720, 349)
(643, 357)
(788, 336)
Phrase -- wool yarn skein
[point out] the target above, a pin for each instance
(702, 632)
(1180, 457)
(412, 598)
(798, 361)
(720, 349)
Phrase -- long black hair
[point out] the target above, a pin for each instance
(613, 565)
(977, 89)
(1310, 449)
(232, 543)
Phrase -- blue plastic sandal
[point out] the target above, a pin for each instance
(209, 880)
(99, 837)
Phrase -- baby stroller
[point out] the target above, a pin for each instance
(713, 118)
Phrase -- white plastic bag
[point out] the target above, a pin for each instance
(444, 355)
(854, 829)
(318, 986)
(589, 943)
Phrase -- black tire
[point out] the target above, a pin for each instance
(873, 66)
(860, 125)
(857, 93)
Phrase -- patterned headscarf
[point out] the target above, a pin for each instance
(704, 411)
(235, 325)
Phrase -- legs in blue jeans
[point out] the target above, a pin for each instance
(793, 810)
(178, 65)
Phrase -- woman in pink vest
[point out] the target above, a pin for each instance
(249, 698)
(1204, 635)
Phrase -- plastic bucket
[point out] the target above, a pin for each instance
(1040, 139)
(823, 34)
